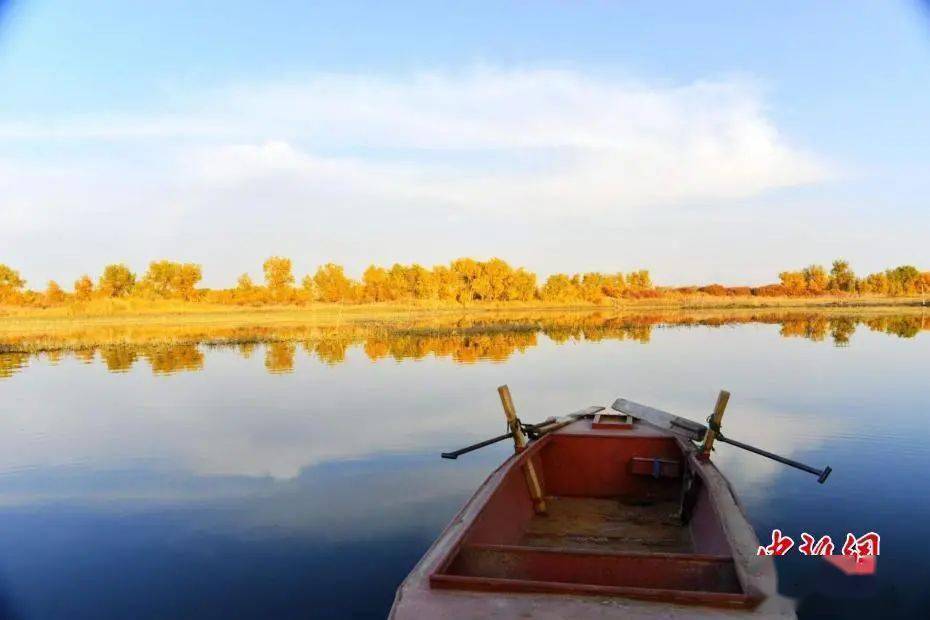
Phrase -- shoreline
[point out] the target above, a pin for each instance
(131, 309)
(177, 324)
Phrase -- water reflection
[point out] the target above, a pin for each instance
(119, 358)
(463, 349)
(287, 471)
(163, 359)
(841, 328)
(11, 363)
(279, 357)
(465, 340)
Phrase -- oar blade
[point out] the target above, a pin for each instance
(661, 419)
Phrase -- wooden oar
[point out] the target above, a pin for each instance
(534, 431)
(696, 431)
(821, 474)
(553, 424)
(475, 446)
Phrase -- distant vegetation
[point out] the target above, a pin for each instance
(464, 281)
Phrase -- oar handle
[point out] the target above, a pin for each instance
(821, 474)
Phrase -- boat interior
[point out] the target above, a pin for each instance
(622, 514)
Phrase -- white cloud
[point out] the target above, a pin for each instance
(531, 144)
(561, 142)
(685, 141)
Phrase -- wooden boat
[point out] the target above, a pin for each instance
(605, 515)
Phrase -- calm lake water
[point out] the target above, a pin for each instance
(304, 480)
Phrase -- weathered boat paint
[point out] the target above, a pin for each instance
(609, 545)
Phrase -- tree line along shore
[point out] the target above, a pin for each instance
(464, 281)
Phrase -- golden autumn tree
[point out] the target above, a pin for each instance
(117, 281)
(902, 280)
(592, 287)
(923, 286)
(522, 285)
(171, 279)
(376, 284)
(244, 283)
(876, 283)
(420, 282)
(396, 283)
(614, 286)
(83, 288)
(842, 277)
(400, 282)
(11, 284)
(186, 278)
(559, 288)
(794, 282)
(493, 280)
(332, 283)
(10, 278)
(448, 283)
(246, 291)
(464, 280)
(466, 271)
(310, 291)
(639, 280)
(816, 280)
(278, 276)
(158, 277)
(53, 293)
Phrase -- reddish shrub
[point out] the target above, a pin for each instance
(770, 290)
(644, 294)
(714, 289)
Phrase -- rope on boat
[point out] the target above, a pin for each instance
(715, 426)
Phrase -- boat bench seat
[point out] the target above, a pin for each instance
(686, 578)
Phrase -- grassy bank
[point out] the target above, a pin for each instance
(109, 323)
(140, 309)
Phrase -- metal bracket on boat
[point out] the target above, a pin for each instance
(696, 431)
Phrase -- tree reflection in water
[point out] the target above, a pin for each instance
(464, 340)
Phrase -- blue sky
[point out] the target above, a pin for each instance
(705, 141)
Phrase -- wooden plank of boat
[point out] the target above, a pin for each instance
(661, 419)
(637, 526)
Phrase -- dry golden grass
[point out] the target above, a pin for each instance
(131, 307)
(184, 324)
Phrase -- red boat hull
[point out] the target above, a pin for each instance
(633, 521)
